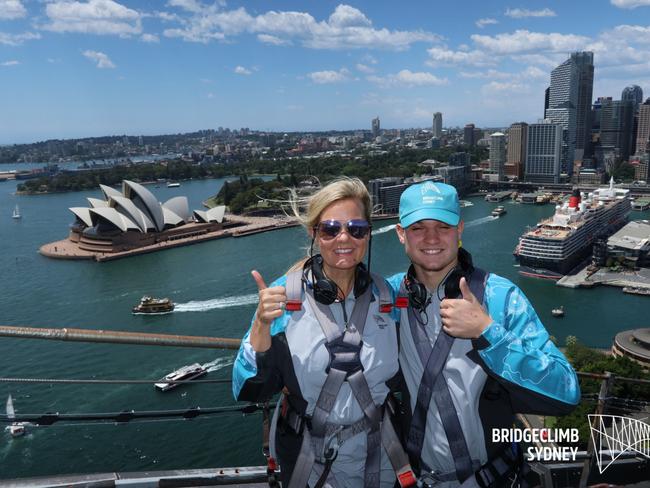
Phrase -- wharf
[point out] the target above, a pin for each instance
(638, 279)
(498, 196)
(641, 204)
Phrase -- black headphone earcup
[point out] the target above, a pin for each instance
(417, 292)
(325, 290)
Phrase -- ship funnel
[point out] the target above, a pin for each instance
(574, 199)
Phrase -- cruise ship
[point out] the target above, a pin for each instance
(559, 243)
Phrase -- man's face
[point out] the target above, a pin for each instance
(431, 244)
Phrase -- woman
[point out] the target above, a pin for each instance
(319, 334)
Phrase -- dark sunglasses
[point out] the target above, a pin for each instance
(329, 229)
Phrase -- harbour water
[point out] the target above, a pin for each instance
(216, 296)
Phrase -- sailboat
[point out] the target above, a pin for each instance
(16, 429)
(16, 214)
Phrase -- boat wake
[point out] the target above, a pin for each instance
(383, 230)
(482, 220)
(219, 363)
(216, 303)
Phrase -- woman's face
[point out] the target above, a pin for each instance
(343, 251)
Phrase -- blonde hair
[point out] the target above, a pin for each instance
(338, 189)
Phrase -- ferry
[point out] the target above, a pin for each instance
(499, 211)
(556, 245)
(186, 373)
(150, 305)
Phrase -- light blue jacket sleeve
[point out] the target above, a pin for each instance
(517, 347)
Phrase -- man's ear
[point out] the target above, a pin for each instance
(400, 232)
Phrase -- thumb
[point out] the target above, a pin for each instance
(261, 285)
(466, 292)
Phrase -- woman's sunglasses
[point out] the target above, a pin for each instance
(329, 229)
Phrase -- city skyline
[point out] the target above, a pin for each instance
(74, 69)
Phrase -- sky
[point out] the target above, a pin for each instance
(71, 69)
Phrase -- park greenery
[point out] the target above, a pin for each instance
(290, 172)
(624, 398)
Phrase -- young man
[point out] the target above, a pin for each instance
(472, 350)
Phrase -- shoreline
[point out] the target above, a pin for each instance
(245, 226)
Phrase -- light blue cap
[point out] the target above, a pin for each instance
(429, 201)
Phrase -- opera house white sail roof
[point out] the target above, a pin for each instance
(137, 209)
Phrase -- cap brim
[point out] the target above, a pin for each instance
(442, 215)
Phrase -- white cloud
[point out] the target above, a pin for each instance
(149, 38)
(523, 41)
(12, 9)
(522, 13)
(630, 3)
(480, 23)
(442, 56)
(102, 60)
(498, 87)
(17, 39)
(364, 68)
(240, 70)
(13, 62)
(105, 17)
(329, 76)
(346, 28)
(489, 74)
(276, 41)
(189, 5)
(408, 78)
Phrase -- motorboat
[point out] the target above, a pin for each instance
(16, 429)
(150, 305)
(499, 211)
(558, 311)
(186, 373)
(172, 184)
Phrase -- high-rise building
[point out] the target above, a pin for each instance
(643, 130)
(516, 156)
(437, 125)
(497, 153)
(569, 105)
(543, 152)
(633, 93)
(375, 127)
(468, 134)
(616, 120)
(585, 63)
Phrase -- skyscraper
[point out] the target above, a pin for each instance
(516, 157)
(543, 152)
(437, 125)
(468, 135)
(634, 93)
(375, 127)
(569, 105)
(497, 153)
(643, 130)
(616, 119)
(585, 63)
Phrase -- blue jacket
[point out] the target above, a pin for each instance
(513, 367)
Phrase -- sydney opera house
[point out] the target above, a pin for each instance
(133, 218)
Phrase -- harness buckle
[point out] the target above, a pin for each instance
(344, 357)
(293, 306)
(331, 447)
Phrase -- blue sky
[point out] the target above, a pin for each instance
(101, 67)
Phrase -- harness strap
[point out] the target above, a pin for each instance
(293, 289)
(268, 430)
(315, 441)
(385, 296)
(433, 384)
